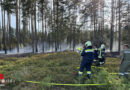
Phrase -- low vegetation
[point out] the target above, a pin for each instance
(59, 68)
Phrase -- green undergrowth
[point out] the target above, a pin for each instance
(59, 68)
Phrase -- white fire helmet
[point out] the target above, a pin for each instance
(102, 46)
(88, 43)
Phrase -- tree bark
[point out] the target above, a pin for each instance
(112, 26)
(119, 41)
(55, 40)
(32, 28)
(17, 25)
(42, 30)
(35, 23)
(9, 29)
(4, 31)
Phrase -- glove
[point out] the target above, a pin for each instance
(94, 60)
(79, 50)
(99, 56)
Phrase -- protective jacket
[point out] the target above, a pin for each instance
(88, 54)
(87, 59)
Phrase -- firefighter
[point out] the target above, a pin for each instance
(101, 55)
(95, 53)
(125, 61)
(87, 59)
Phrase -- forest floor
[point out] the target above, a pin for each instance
(59, 68)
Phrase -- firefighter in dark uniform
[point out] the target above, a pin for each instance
(87, 59)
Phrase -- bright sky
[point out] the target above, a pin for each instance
(13, 19)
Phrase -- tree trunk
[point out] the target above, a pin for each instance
(32, 27)
(0, 35)
(119, 41)
(102, 32)
(9, 28)
(17, 25)
(24, 30)
(94, 22)
(1, 30)
(55, 40)
(112, 25)
(45, 28)
(57, 22)
(19, 22)
(74, 30)
(52, 29)
(42, 30)
(35, 21)
(4, 31)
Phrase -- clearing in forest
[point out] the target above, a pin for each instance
(59, 68)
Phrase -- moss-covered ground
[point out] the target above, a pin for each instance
(59, 68)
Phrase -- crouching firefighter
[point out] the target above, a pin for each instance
(101, 56)
(87, 59)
